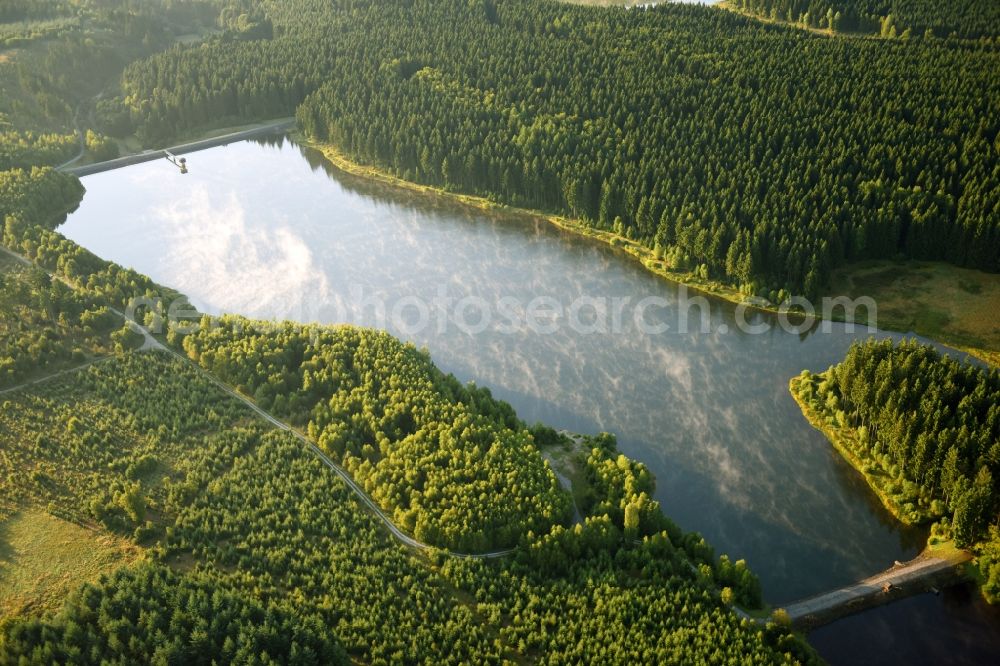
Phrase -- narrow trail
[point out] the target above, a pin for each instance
(151, 343)
(897, 582)
(60, 373)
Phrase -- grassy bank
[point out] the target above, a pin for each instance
(844, 440)
(953, 305)
(956, 306)
(638, 251)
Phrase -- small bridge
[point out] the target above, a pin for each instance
(274, 127)
(924, 573)
(180, 162)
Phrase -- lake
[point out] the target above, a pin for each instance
(269, 230)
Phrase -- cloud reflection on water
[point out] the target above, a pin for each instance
(252, 229)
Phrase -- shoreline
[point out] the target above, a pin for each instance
(269, 127)
(936, 547)
(840, 444)
(635, 250)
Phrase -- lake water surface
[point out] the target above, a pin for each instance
(269, 231)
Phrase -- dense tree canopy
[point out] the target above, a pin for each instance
(258, 548)
(762, 156)
(63, 53)
(93, 458)
(617, 506)
(151, 615)
(449, 463)
(928, 422)
(887, 18)
(44, 324)
(35, 196)
(765, 156)
(26, 149)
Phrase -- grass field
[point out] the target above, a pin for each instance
(42, 558)
(956, 306)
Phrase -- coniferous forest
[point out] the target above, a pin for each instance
(762, 146)
(902, 19)
(760, 156)
(928, 421)
(256, 552)
(925, 429)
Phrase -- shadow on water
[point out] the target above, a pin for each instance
(270, 230)
(955, 627)
(411, 200)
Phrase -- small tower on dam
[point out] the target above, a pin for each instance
(180, 162)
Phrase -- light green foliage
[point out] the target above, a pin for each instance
(451, 464)
(126, 338)
(989, 565)
(104, 282)
(886, 18)
(742, 584)
(70, 443)
(930, 424)
(35, 196)
(591, 613)
(63, 54)
(619, 510)
(628, 120)
(620, 488)
(289, 529)
(22, 150)
(45, 326)
(100, 147)
(278, 541)
(122, 620)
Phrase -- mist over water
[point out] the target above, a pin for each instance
(269, 232)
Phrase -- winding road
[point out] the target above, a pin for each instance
(899, 581)
(396, 532)
(151, 343)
